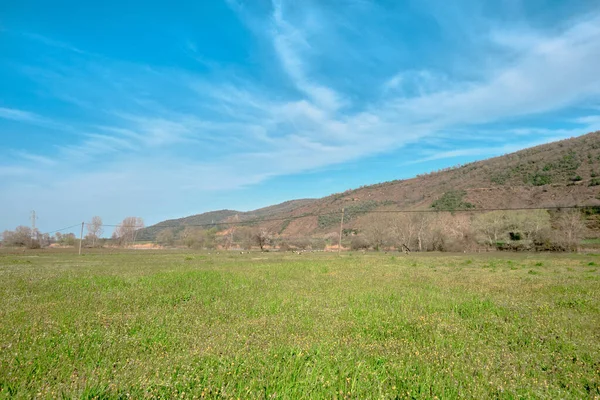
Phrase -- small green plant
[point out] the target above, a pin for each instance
(452, 201)
(538, 179)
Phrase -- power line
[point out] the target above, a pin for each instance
(247, 222)
(63, 229)
(483, 209)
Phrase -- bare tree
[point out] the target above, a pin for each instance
(493, 226)
(402, 231)
(22, 236)
(166, 237)
(377, 230)
(244, 236)
(262, 237)
(95, 230)
(126, 232)
(571, 226)
(422, 222)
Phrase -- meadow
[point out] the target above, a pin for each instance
(177, 324)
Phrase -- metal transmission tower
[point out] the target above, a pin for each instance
(33, 230)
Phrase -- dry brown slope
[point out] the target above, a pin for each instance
(563, 173)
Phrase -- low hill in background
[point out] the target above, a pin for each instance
(559, 174)
(213, 218)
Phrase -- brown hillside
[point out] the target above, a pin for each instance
(564, 173)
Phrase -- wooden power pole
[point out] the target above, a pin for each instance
(81, 238)
(341, 230)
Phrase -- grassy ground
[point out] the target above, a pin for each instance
(192, 325)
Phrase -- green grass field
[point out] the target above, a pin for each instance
(169, 324)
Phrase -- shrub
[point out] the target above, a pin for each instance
(538, 179)
(359, 242)
(452, 201)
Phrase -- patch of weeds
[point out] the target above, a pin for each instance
(592, 264)
(188, 258)
(572, 303)
(532, 272)
(594, 182)
(539, 264)
(19, 261)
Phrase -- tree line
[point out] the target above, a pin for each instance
(124, 234)
(539, 230)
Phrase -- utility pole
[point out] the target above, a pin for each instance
(81, 238)
(341, 229)
(34, 235)
(33, 218)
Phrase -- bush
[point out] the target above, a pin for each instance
(359, 242)
(318, 244)
(452, 201)
(538, 179)
(301, 243)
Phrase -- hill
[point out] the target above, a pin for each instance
(213, 218)
(558, 174)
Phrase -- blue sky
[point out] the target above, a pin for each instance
(162, 110)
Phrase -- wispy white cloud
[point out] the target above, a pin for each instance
(18, 115)
(159, 133)
(35, 158)
(290, 43)
(536, 136)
